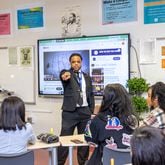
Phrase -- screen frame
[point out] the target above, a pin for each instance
(51, 39)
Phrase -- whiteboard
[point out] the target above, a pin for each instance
(16, 78)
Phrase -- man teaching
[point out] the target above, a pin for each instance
(78, 105)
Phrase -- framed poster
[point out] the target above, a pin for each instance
(30, 17)
(5, 23)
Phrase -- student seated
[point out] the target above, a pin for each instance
(15, 133)
(148, 146)
(156, 102)
(114, 123)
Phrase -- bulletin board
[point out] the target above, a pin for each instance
(17, 76)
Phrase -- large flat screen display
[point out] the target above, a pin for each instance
(106, 59)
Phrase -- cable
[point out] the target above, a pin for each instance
(137, 60)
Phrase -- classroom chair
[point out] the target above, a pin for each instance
(25, 158)
(119, 156)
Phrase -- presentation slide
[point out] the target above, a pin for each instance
(105, 59)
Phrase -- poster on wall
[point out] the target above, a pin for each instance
(12, 53)
(163, 50)
(116, 11)
(5, 24)
(25, 55)
(160, 45)
(154, 11)
(163, 56)
(30, 18)
(71, 22)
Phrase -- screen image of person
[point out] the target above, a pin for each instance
(114, 123)
(15, 133)
(78, 105)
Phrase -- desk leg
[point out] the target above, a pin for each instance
(50, 156)
(53, 156)
(70, 155)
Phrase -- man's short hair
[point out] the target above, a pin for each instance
(75, 54)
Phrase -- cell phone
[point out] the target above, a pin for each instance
(77, 141)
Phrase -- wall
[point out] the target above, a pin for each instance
(46, 113)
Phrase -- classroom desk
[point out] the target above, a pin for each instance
(52, 148)
(66, 142)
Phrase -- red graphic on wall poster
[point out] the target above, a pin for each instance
(5, 24)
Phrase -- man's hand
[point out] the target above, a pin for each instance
(66, 76)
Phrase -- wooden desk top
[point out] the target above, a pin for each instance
(39, 145)
(66, 140)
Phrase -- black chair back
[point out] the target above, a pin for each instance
(120, 156)
(25, 158)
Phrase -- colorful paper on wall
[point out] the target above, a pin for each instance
(118, 11)
(30, 18)
(163, 63)
(154, 11)
(163, 50)
(5, 24)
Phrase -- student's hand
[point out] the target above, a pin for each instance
(93, 115)
(66, 76)
(91, 144)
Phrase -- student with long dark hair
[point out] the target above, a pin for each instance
(15, 133)
(148, 146)
(114, 123)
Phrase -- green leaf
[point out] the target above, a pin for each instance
(137, 86)
(139, 104)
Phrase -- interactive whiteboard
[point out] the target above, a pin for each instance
(106, 59)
